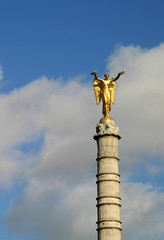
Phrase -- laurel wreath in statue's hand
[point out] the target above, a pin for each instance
(121, 73)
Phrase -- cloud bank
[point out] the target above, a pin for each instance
(58, 177)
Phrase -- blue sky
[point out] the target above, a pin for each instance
(68, 38)
(48, 115)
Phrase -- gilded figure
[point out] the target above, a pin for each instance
(105, 89)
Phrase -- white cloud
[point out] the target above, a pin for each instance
(139, 99)
(142, 211)
(57, 110)
(54, 201)
(55, 208)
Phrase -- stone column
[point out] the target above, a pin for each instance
(108, 193)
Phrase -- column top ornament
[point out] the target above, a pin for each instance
(109, 128)
(105, 89)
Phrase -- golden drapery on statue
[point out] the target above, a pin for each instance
(105, 89)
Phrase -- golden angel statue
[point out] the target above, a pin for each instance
(105, 89)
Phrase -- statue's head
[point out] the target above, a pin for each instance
(106, 75)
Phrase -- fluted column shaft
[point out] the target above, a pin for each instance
(108, 193)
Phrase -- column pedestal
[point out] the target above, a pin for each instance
(108, 193)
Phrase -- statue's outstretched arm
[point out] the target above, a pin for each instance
(95, 74)
(117, 77)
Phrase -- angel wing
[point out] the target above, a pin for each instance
(97, 89)
(112, 87)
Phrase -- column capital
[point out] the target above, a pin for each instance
(109, 128)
